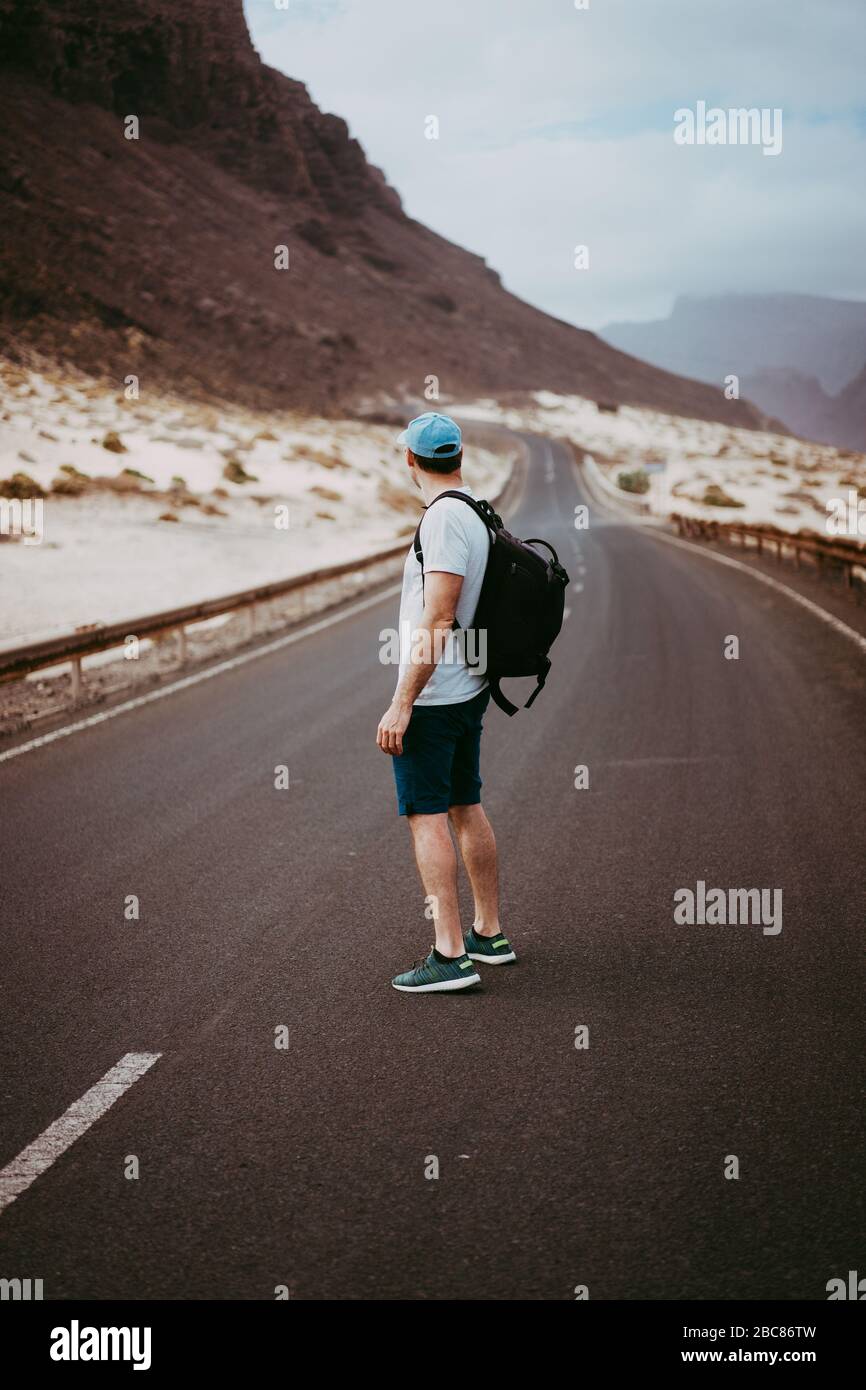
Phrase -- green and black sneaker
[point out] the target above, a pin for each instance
(436, 976)
(492, 950)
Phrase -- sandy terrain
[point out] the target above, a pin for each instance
(106, 554)
(775, 478)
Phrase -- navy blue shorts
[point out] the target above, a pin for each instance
(439, 765)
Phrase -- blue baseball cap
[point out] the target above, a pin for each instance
(432, 436)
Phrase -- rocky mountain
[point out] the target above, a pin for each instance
(809, 410)
(157, 254)
(795, 355)
(849, 413)
(752, 333)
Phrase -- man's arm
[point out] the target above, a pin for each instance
(441, 594)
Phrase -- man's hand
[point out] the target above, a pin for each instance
(440, 606)
(392, 727)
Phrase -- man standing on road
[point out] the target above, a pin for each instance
(432, 727)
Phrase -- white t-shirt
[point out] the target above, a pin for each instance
(456, 540)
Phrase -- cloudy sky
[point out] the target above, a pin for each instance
(556, 129)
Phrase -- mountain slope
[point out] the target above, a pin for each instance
(156, 256)
(810, 411)
(849, 412)
(749, 334)
(796, 398)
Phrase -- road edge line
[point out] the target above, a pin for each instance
(814, 608)
(197, 677)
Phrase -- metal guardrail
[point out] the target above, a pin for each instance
(72, 647)
(850, 557)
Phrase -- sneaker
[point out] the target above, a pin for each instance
(432, 975)
(492, 950)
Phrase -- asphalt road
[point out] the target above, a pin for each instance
(559, 1167)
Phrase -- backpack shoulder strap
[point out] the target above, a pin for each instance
(481, 509)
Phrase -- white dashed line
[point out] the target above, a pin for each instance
(33, 1161)
(548, 459)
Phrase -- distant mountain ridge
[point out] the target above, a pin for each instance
(809, 411)
(798, 357)
(157, 255)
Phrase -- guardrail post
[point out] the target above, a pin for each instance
(181, 645)
(70, 649)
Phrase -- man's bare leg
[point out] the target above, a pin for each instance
(437, 865)
(478, 848)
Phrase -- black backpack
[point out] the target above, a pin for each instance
(520, 606)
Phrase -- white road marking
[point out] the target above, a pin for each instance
(548, 459)
(33, 1161)
(566, 612)
(813, 608)
(578, 588)
(164, 691)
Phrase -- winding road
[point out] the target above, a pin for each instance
(261, 909)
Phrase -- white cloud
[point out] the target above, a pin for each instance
(556, 128)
